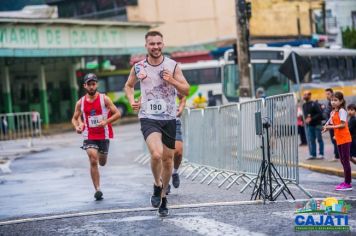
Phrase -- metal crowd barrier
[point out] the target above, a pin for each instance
(220, 143)
(20, 125)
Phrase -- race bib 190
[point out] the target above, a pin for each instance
(94, 120)
(156, 107)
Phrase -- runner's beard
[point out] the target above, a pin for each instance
(91, 92)
(154, 56)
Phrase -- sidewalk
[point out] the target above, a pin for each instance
(325, 165)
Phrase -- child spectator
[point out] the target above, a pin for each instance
(338, 122)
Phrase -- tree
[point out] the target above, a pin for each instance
(349, 38)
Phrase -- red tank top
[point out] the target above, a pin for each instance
(93, 113)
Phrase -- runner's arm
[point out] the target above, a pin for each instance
(76, 119)
(177, 80)
(129, 90)
(182, 102)
(113, 109)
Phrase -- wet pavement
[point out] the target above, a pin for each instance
(57, 183)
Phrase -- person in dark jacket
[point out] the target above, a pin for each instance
(313, 117)
(328, 108)
(351, 110)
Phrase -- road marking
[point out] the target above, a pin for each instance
(210, 227)
(100, 212)
(319, 191)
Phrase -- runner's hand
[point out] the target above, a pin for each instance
(180, 111)
(79, 128)
(167, 76)
(136, 105)
(103, 123)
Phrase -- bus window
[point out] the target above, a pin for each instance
(191, 76)
(334, 73)
(203, 76)
(315, 69)
(231, 82)
(324, 68)
(210, 75)
(267, 76)
(349, 69)
(116, 83)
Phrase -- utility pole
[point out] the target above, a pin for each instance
(243, 48)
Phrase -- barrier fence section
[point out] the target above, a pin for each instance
(221, 144)
(20, 125)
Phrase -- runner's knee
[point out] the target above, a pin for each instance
(102, 159)
(156, 156)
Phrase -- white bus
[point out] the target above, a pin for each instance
(204, 76)
(330, 68)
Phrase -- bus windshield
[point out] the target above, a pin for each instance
(267, 77)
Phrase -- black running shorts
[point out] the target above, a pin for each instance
(166, 127)
(101, 145)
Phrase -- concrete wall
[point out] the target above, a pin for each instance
(187, 22)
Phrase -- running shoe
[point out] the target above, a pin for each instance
(156, 197)
(163, 210)
(98, 195)
(344, 187)
(175, 180)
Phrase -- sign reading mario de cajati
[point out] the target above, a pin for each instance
(28, 36)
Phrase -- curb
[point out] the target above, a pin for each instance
(326, 170)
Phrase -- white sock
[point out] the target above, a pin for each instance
(175, 171)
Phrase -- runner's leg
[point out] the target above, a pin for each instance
(94, 169)
(167, 165)
(155, 146)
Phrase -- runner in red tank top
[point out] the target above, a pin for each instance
(92, 117)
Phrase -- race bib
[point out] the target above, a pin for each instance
(156, 107)
(94, 120)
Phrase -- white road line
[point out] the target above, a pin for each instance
(99, 212)
(210, 227)
(319, 191)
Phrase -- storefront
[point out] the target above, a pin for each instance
(40, 60)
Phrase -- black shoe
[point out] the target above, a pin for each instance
(168, 190)
(98, 195)
(175, 180)
(163, 210)
(156, 197)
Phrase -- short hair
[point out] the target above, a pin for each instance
(351, 106)
(329, 90)
(153, 33)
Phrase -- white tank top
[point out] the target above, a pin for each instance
(158, 98)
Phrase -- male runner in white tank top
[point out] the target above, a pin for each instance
(160, 79)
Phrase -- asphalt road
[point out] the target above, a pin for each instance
(51, 193)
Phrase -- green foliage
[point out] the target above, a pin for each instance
(349, 38)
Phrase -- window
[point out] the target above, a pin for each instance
(203, 76)
(105, 4)
(67, 10)
(268, 77)
(85, 7)
(315, 69)
(116, 82)
(349, 69)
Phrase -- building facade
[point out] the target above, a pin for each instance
(40, 60)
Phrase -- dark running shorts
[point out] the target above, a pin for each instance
(179, 135)
(166, 127)
(101, 145)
